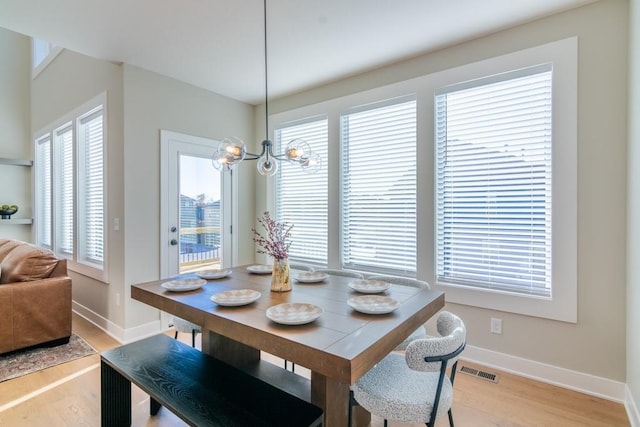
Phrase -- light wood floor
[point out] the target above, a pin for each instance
(69, 395)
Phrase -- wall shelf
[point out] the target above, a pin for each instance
(19, 221)
(15, 162)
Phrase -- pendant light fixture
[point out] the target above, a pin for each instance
(232, 150)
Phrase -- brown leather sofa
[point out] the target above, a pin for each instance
(35, 297)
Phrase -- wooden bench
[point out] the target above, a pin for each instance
(200, 389)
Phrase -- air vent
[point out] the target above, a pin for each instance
(489, 376)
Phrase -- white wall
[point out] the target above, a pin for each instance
(153, 102)
(596, 344)
(15, 131)
(633, 218)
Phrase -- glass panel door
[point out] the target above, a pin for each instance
(200, 214)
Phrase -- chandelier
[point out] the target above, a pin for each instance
(232, 150)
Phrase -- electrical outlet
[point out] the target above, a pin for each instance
(496, 326)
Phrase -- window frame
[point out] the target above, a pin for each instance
(72, 120)
(563, 302)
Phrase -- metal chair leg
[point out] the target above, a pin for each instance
(193, 338)
(450, 418)
(176, 335)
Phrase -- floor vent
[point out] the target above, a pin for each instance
(480, 374)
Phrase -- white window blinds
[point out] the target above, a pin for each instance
(301, 198)
(64, 199)
(379, 187)
(43, 192)
(91, 188)
(70, 192)
(493, 172)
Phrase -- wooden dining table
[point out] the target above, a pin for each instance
(338, 347)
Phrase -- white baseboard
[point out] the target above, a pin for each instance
(121, 335)
(632, 408)
(566, 378)
(106, 325)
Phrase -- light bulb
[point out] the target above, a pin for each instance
(312, 163)
(232, 149)
(297, 149)
(267, 166)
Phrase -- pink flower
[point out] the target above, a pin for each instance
(276, 243)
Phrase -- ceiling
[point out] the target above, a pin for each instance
(219, 44)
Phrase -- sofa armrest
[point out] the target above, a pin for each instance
(34, 312)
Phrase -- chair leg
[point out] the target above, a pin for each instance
(352, 403)
(193, 338)
(450, 418)
(385, 422)
(176, 335)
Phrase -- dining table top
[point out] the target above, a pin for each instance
(341, 343)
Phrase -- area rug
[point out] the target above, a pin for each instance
(20, 363)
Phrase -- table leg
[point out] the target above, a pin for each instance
(333, 397)
(228, 350)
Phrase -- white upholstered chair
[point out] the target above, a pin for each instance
(181, 325)
(421, 332)
(414, 387)
(300, 267)
(344, 273)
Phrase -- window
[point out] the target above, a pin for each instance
(69, 204)
(493, 168)
(302, 197)
(43, 192)
(505, 134)
(379, 187)
(482, 202)
(43, 53)
(91, 187)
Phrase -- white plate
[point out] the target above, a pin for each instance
(294, 313)
(213, 274)
(373, 304)
(369, 286)
(236, 297)
(311, 276)
(260, 269)
(183, 285)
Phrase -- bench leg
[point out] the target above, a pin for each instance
(115, 398)
(154, 406)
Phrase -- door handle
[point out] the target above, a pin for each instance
(173, 242)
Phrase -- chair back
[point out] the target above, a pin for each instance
(431, 354)
(344, 273)
(300, 267)
(403, 281)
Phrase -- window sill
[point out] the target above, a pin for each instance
(562, 307)
(93, 273)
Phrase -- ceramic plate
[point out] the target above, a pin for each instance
(236, 297)
(183, 285)
(373, 304)
(310, 276)
(260, 269)
(294, 313)
(369, 286)
(213, 274)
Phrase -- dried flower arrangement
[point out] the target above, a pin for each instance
(277, 241)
